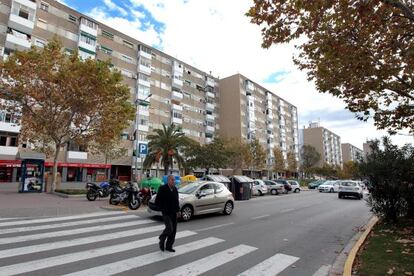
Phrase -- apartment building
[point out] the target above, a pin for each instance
(327, 143)
(351, 153)
(249, 110)
(178, 92)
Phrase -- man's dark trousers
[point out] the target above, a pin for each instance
(170, 230)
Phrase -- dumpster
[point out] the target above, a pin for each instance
(152, 182)
(241, 187)
(218, 178)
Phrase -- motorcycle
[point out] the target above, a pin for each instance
(128, 195)
(146, 195)
(94, 190)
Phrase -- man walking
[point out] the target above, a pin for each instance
(167, 201)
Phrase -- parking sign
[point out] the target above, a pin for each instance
(143, 148)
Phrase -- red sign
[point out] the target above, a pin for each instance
(10, 163)
(17, 164)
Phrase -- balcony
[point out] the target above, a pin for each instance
(144, 69)
(209, 129)
(210, 95)
(270, 126)
(177, 95)
(21, 24)
(31, 4)
(144, 128)
(77, 155)
(90, 49)
(9, 150)
(210, 106)
(177, 82)
(143, 112)
(17, 41)
(210, 117)
(88, 30)
(177, 121)
(210, 82)
(144, 54)
(177, 107)
(144, 82)
(9, 127)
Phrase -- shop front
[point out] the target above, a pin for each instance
(10, 170)
(80, 172)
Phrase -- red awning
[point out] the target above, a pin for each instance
(17, 164)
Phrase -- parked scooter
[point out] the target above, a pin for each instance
(146, 195)
(128, 195)
(94, 190)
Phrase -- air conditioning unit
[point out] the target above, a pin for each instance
(135, 76)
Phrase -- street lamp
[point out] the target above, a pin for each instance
(138, 103)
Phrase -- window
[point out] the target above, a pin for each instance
(128, 44)
(89, 23)
(44, 7)
(127, 59)
(107, 35)
(126, 73)
(40, 43)
(72, 18)
(24, 14)
(207, 189)
(144, 77)
(177, 115)
(106, 50)
(13, 141)
(88, 39)
(144, 62)
(3, 140)
(145, 49)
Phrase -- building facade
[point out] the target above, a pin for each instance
(177, 92)
(248, 110)
(351, 153)
(327, 143)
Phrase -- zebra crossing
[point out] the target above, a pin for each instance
(73, 245)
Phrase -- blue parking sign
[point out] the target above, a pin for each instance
(143, 148)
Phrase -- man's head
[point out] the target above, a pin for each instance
(171, 180)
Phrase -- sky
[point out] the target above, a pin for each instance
(216, 36)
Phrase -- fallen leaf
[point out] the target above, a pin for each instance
(389, 251)
(390, 271)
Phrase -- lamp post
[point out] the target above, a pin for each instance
(138, 103)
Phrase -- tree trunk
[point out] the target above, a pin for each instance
(166, 167)
(55, 167)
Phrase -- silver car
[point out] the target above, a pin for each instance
(200, 197)
(259, 187)
(275, 188)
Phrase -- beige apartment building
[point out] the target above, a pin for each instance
(351, 153)
(178, 92)
(248, 110)
(327, 143)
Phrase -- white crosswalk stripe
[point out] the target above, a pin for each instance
(76, 253)
(271, 266)
(65, 224)
(43, 220)
(210, 262)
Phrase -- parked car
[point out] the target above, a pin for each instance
(295, 186)
(201, 197)
(331, 186)
(350, 188)
(286, 184)
(315, 184)
(259, 187)
(274, 188)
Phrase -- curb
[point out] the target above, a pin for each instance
(352, 254)
(68, 196)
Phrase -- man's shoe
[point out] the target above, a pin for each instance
(170, 250)
(161, 243)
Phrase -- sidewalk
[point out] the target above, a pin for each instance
(14, 204)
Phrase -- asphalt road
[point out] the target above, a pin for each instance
(295, 234)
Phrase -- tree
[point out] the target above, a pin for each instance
(310, 157)
(350, 170)
(390, 171)
(258, 154)
(358, 51)
(165, 146)
(63, 99)
(239, 154)
(292, 162)
(280, 164)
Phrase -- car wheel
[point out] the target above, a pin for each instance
(274, 192)
(186, 213)
(339, 196)
(228, 208)
(260, 193)
(297, 190)
(331, 190)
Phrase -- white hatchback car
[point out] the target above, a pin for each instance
(259, 187)
(295, 186)
(350, 188)
(330, 186)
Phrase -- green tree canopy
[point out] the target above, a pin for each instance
(359, 51)
(279, 164)
(258, 154)
(61, 99)
(292, 163)
(310, 157)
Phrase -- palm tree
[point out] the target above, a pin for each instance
(165, 146)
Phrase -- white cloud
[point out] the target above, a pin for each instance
(112, 6)
(216, 36)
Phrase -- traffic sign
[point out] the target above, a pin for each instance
(143, 148)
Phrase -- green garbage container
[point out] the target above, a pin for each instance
(153, 183)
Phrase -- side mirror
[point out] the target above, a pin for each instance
(201, 194)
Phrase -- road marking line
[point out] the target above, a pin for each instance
(210, 262)
(286, 210)
(65, 224)
(2, 219)
(259, 217)
(214, 227)
(75, 242)
(271, 266)
(323, 271)
(83, 255)
(32, 221)
(139, 261)
(72, 232)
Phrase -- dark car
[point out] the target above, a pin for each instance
(285, 183)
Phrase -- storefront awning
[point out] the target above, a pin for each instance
(31, 155)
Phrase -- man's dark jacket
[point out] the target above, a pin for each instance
(167, 200)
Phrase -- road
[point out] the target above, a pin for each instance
(296, 234)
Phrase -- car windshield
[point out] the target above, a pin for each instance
(349, 184)
(189, 189)
(328, 183)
